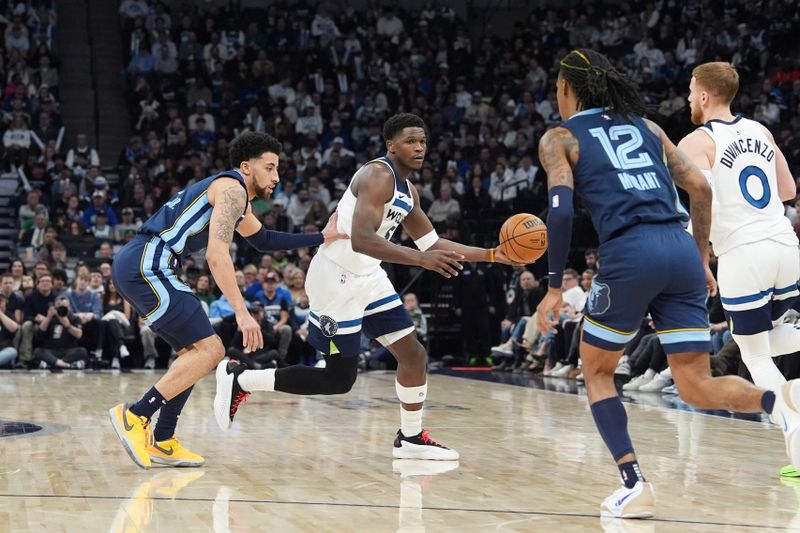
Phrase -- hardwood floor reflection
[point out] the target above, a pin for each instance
(530, 461)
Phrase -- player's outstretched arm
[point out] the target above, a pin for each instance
(374, 186)
(229, 200)
(787, 186)
(265, 240)
(558, 152)
(419, 226)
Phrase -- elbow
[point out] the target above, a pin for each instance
(788, 193)
(358, 243)
(213, 258)
(702, 193)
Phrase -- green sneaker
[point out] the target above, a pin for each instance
(789, 471)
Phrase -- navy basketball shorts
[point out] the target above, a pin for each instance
(343, 305)
(651, 268)
(757, 284)
(143, 276)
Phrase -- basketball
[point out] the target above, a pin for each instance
(523, 238)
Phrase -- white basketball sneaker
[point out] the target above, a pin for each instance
(229, 394)
(785, 413)
(421, 447)
(636, 502)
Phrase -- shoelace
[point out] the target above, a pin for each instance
(240, 397)
(148, 434)
(424, 437)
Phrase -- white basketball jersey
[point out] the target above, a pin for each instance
(746, 206)
(394, 212)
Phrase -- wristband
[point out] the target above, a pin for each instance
(427, 240)
(491, 255)
(559, 233)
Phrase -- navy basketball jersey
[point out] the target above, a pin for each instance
(621, 175)
(182, 222)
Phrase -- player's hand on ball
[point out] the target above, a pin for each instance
(547, 312)
(252, 338)
(330, 233)
(711, 283)
(501, 257)
(445, 262)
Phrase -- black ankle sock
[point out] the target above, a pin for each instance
(630, 473)
(768, 401)
(151, 402)
(168, 416)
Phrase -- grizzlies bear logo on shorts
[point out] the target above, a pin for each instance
(599, 299)
(328, 326)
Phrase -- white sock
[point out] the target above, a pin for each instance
(784, 339)
(251, 380)
(757, 351)
(410, 422)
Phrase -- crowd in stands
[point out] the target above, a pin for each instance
(322, 78)
(30, 117)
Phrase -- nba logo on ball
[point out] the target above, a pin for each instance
(599, 299)
(328, 326)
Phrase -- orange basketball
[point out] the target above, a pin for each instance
(523, 238)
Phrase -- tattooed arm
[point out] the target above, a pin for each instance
(558, 153)
(688, 177)
(229, 200)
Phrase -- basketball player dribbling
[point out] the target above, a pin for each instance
(202, 216)
(758, 263)
(349, 292)
(623, 168)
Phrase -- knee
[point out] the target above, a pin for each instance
(341, 375)
(416, 356)
(216, 349)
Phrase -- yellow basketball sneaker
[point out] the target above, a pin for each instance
(171, 452)
(134, 433)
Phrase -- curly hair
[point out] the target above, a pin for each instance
(252, 145)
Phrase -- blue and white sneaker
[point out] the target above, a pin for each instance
(636, 502)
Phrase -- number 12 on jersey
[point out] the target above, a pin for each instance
(623, 157)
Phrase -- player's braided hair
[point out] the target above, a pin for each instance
(598, 84)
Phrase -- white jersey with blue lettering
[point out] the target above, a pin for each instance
(394, 212)
(746, 206)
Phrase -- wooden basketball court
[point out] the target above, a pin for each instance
(530, 461)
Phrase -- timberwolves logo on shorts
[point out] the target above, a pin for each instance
(328, 326)
(599, 299)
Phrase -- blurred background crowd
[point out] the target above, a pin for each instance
(322, 77)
